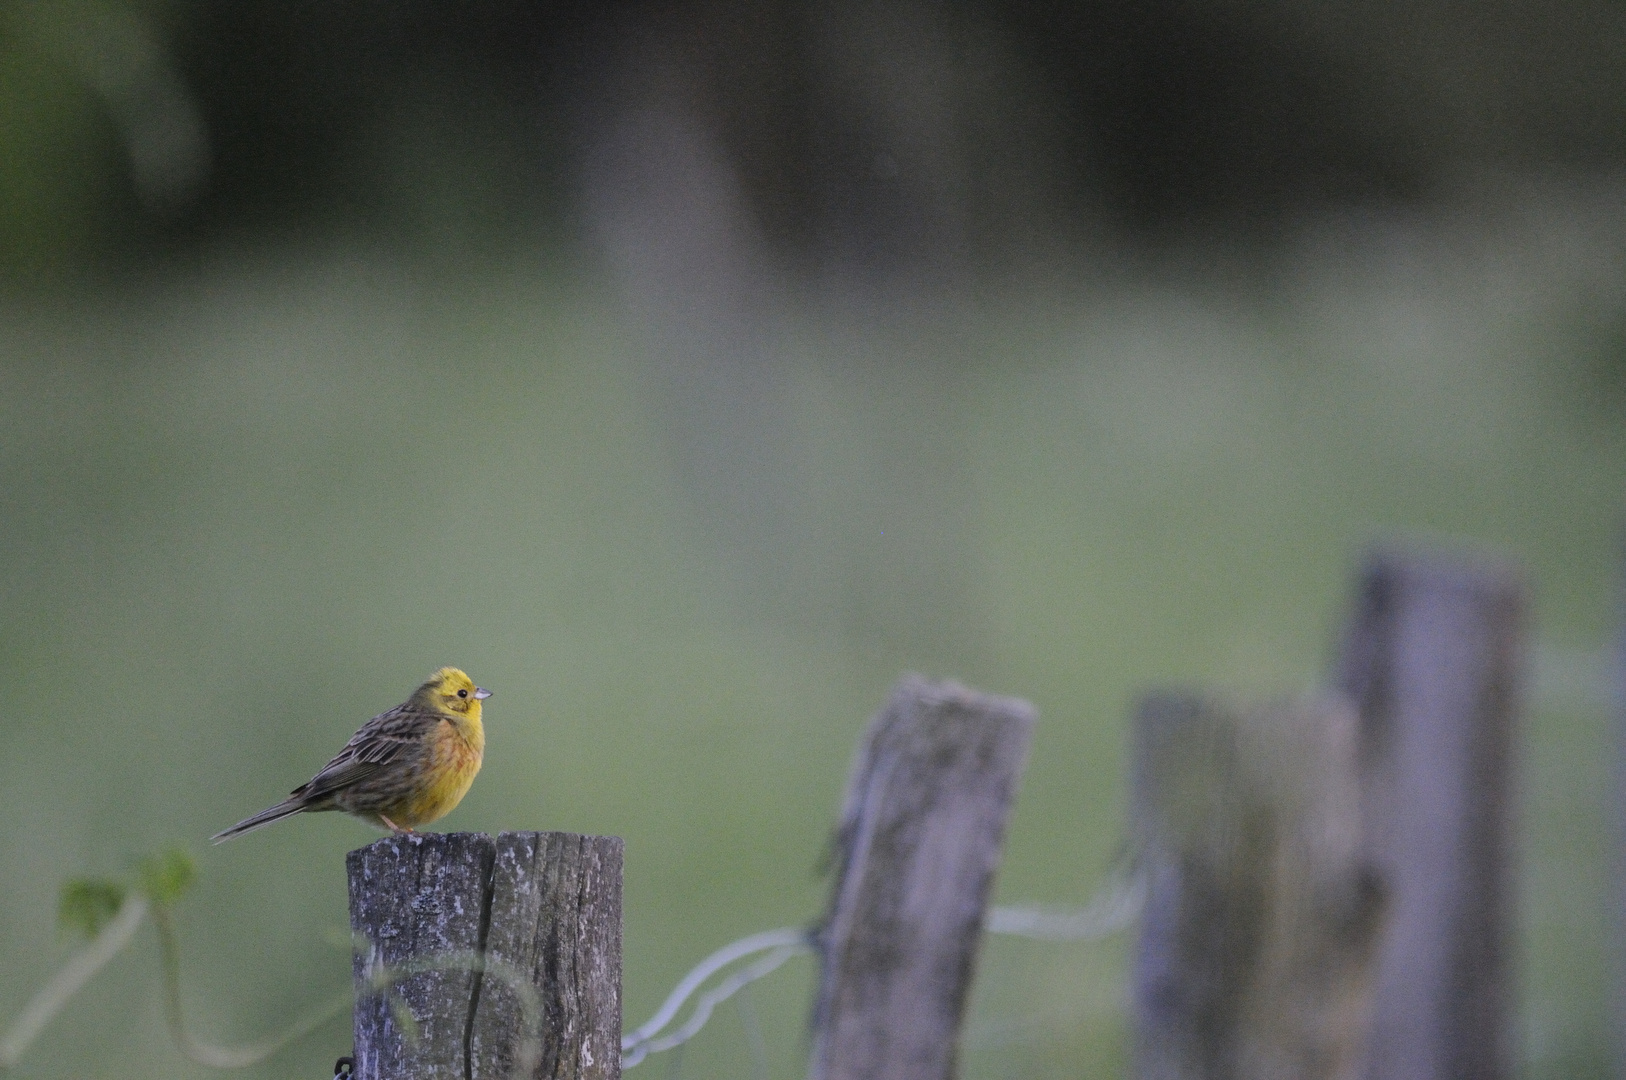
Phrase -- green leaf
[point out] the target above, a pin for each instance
(165, 876)
(87, 904)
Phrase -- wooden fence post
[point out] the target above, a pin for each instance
(920, 839)
(1433, 661)
(481, 958)
(1255, 953)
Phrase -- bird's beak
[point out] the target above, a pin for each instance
(480, 693)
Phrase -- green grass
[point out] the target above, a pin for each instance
(245, 508)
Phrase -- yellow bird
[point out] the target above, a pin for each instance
(404, 768)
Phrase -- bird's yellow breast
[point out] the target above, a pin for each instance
(454, 760)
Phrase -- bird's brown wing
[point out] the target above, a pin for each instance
(382, 741)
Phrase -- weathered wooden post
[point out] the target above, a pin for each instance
(1255, 953)
(1433, 661)
(483, 958)
(919, 842)
(1329, 889)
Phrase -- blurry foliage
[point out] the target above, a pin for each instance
(57, 159)
(163, 877)
(87, 904)
(128, 127)
(107, 913)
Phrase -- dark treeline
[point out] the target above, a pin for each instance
(856, 131)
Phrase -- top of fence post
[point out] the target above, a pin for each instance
(1433, 659)
(487, 958)
(919, 842)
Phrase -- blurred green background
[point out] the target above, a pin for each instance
(688, 371)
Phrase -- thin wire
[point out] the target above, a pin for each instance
(1114, 908)
(1117, 905)
(735, 950)
(708, 1002)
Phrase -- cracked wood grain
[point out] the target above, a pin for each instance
(476, 914)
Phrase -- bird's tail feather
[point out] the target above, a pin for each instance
(283, 809)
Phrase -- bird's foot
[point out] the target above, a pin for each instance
(394, 828)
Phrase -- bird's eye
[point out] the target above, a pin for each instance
(462, 693)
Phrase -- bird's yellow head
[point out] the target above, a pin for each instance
(451, 691)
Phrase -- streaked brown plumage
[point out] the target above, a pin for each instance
(405, 767)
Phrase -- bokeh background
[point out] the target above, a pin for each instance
(686, 371)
